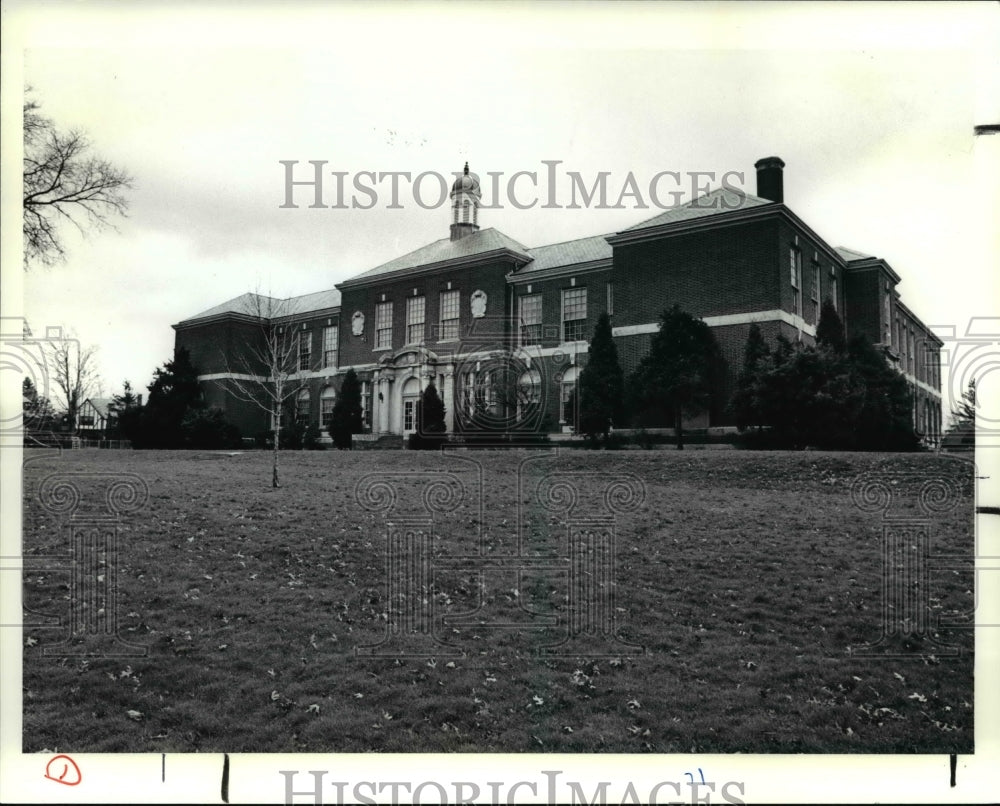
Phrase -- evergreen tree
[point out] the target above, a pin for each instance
(430, 421)
(830, 330)
(885, 416)
(346, 418)
(601, 384)
(676, 378)
(962, 431)
(124, 410)
(964, 414)
(36, 410)
(746, 400)
(207, 429)
(172, 394)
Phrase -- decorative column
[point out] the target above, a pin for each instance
(376, 404)
(448, 396)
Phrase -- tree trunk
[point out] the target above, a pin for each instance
(678, 429)
(274, 465)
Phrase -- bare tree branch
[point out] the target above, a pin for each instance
(73, 370)
(63, 181)
(265, 369)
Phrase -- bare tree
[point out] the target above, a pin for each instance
(73, 371)
(264, 369)
(63, 182)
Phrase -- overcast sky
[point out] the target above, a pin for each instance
(871, 107)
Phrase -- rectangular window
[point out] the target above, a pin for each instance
(414, 320)
(449, 316)
(833, 289)
(305, 349)
(366, 405)
(815, 284)
(611, 299)
(86, 420)
(330, 342)
(326, 404)
(383, 326)
(574, 314)
(530, 318)
(796, 279)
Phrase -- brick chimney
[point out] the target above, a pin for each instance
(770, 183)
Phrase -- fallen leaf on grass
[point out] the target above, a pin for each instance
(136, 715)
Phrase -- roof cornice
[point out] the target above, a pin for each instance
(219, 317)
(466, 261)
(235, 316)
(868, 264)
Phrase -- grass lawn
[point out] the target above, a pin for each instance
(749, 579)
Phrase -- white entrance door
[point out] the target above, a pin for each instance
(409, 415)
(410, 395)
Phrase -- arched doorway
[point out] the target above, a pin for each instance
(410, 395)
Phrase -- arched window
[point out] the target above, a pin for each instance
(302, 407)
(529, 393)
(327, 399)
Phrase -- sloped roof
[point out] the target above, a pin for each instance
(247, 304)
(100, 404)
(481, 242)
(251, 304)
(568, 253)
(720, 200)
(851, 254)
(316, 301)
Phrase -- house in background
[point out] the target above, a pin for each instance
(502, 329)
(95, 419)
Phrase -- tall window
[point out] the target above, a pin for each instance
(568, 404)
(383, 326)
(611, 299)
(414, 320)
(469, 393)
(330, 342)
(574, 314)
(815, 291)
(302, 407)
(449, 316)
(366, 404)
(833, 289)
(795, 257)
(887, 317)
(530, 317)
(305, 349)
(529, 393)
(327, 399)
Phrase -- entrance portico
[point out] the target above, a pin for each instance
(400, 380)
